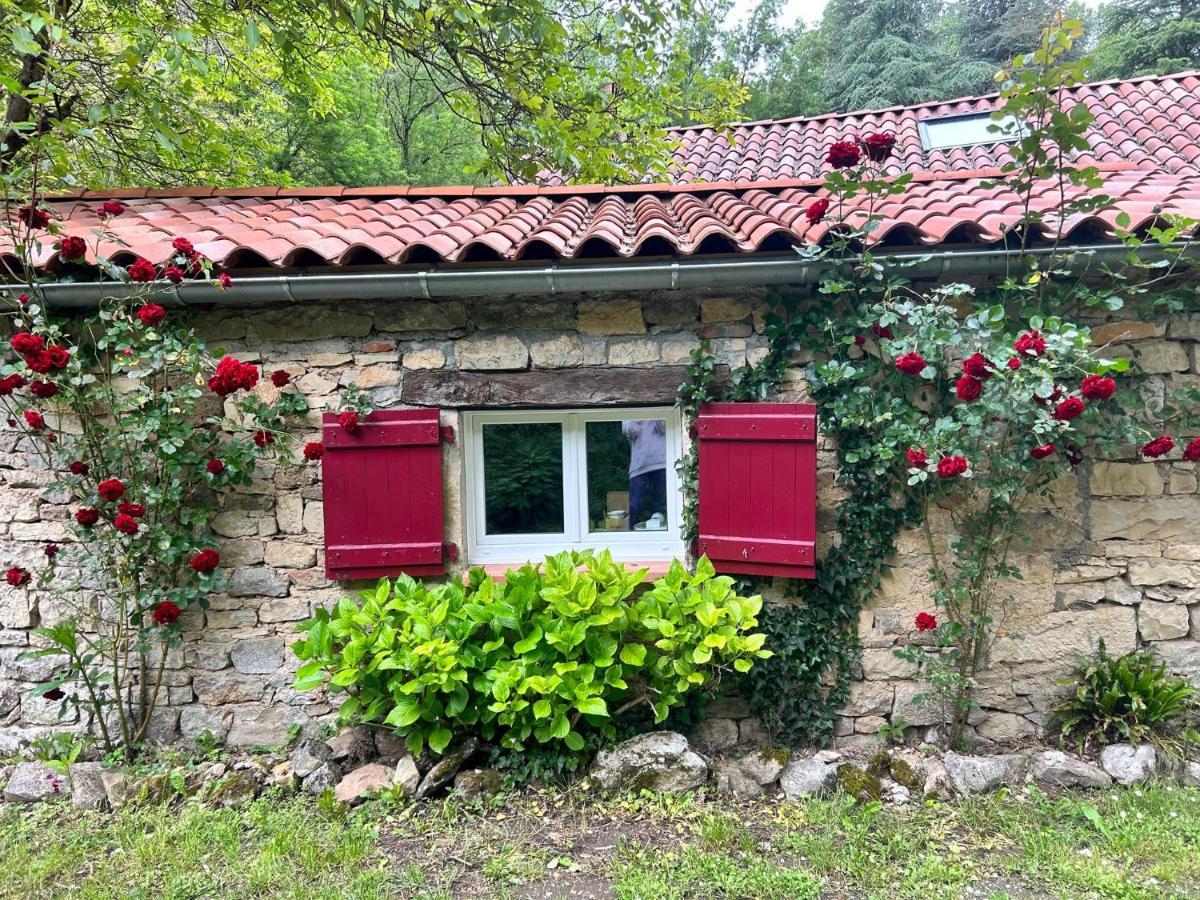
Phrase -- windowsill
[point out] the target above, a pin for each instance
(657, 568)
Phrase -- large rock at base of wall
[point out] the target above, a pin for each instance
(978, 774)
(807, 778)
(659, 761)
(31, 782)
(1063, 636)
(1057, 768)
(256, 725)
(1164, 518)
(1128, 764)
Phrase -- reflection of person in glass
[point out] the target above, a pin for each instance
(647, 471)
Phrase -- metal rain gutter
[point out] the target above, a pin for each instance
(436, 282)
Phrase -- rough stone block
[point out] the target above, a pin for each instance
(1126, 480)
(1061, 637)
(256, 725)
(317, 323)
(725, 309)
(1162, 621)
(1161, 571)
(234, 523)
(1127, 331)
(632, 353)
(504, 352)
(869, 698)
(1157, 357)
(560, 352)
(422, 315)
(257, 582)
(1165, 518)
(289, 555)
(425, 358)
(377, 376)
(257, 656)
(218, 690)
(602, 317)
(670, 310)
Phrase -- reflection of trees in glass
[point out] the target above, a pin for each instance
(607, 467)
(523, 478)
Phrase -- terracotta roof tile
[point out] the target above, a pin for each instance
(743, 196)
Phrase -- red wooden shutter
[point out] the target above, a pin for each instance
(758, 487)
(382, 487)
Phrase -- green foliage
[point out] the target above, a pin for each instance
(61, 749)
(1127, 698)
(553, 654)
(886, 52)
(1139, 37)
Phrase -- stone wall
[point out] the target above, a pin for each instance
(1116, 554)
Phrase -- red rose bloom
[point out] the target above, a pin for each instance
(34, 419)
(135, 510)
(859, 340)
(977, 366)
(16, 576)
(141, 271)
(205, 561)
(33, 216)
(111, 489)
(78, 468)
(173, 274)
(1042, 451)
(183, 245)
(10, 383)
(166, 613)
(43, 389)
(952, 466)
(24, 343)
(816, 211)
(1031, 343)
(1071, 408)
(111, 208)
(1191, 452)
(215, 467)
(87, 517)
(314, 450)
(879, 145)
(232, 375)
(882, 332)
(349, 421)
(280, 378)
(1160, 446)
(59, 357)
(843, 155)
(917, 458)
(910, 363)
(39, 361)
(72, 247)
(1097, 387)
(51, 551)
(225, 281)
(150, 314)
(52, 695)
(925, 622)
(126, 524)
(968, 388)
(263, 438)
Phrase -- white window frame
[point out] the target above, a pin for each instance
(483, 548)
(1010, 129)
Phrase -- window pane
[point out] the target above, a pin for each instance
(523, 478)
(966, 131)
(627, 475)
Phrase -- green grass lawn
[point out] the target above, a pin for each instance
(1133, 843)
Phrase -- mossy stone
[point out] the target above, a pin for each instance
(862, 786)
(879, 762)
(904, 773)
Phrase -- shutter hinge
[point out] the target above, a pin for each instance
(450, 551)
(446, 433)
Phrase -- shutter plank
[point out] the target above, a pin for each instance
(758, 488)
(382, 487)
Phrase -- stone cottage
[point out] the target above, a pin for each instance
(547, 326)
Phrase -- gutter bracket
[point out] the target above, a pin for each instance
(423, 281)
(675, 275)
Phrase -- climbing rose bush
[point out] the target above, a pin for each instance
(142, 431)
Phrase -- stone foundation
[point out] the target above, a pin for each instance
(1114, 553)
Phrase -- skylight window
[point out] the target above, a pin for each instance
(969, 131)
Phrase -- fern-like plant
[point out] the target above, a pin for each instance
(1127, 698)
